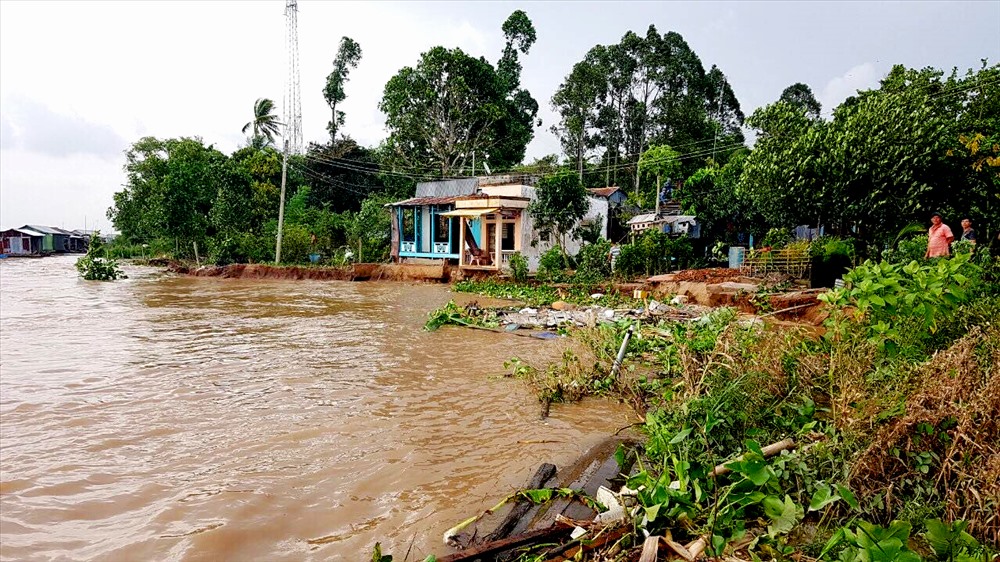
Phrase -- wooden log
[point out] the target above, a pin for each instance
(769, 451)
(544, 473)
(697, 547)
(489, 550)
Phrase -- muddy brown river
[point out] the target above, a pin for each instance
(176, 418)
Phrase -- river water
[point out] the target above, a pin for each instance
(177, 418)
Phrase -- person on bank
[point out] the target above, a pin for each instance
(967, 232)
(939, 238)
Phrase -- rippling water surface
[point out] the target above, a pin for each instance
(177, 418)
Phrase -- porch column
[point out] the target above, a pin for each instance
(499, 234)
(461, 241)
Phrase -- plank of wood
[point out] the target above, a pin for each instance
(502, 545)
(521, 507)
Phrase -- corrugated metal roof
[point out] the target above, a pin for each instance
(45, 229)
(447, 188)
(28, 231)
(666, 219)
(603, 191)
(421, 201)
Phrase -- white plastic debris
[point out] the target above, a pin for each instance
(679, 299)
(596, 296)
(615, 511)
(578, 532)
(528, 311)
(609, 314)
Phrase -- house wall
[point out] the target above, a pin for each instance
(532, 246)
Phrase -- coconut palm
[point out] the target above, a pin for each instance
(265, 124)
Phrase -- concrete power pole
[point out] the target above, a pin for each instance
(281, 205)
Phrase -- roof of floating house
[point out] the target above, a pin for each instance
(45, 229)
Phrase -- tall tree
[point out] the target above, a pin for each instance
(560, 203)
(451, 108)
(576, 101)
(264, 125)
(348, 56)
(801, 96)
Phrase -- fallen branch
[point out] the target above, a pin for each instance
(487, 550)
(789, 309)
(769, 451)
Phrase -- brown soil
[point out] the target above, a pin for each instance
(356, 272)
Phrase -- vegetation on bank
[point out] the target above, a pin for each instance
(892, 410)
(97, 265)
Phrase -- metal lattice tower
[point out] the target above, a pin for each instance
(293, 99)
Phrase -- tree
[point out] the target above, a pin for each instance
(170, 189)
(801, 96)
(650, 90)
(560, 203)
(451, 108)
(575, 100)
(348, 56)
(264, 124)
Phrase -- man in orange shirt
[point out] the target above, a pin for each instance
(939, 237)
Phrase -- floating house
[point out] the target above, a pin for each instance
(476, 223)
(21, 242)
(54, 240)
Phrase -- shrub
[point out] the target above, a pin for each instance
(594, 262)
(776, 238)
(551, 265)
(652, 253)
(907, 250)
(518, 267)
(95, 265)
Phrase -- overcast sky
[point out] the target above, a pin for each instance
(81, 81)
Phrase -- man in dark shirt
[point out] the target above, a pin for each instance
(967, 232)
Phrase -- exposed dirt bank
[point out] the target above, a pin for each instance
(355, 272)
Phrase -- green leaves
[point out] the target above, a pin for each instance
(784, 514)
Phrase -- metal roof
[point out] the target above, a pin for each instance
(46, 229)
(422, 201)
(667, 219)
(603, 191)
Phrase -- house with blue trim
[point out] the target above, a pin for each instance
(476, 223)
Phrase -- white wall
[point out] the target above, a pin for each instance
(532, 247)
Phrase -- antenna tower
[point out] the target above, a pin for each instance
(293, 98)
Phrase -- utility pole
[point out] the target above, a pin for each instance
(281, 206)
(657, 195)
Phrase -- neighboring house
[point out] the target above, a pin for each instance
(21, 242)
(668, 223)
(613, 195)
(476, 223)
(54, 239)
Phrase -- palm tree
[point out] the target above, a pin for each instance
(265, 124)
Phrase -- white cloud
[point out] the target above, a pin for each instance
(860, 77)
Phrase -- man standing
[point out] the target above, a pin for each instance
(967, 232)
(938, 238)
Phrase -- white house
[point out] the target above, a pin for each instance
(477, 223)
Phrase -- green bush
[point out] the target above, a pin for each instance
(776, 238)
(552, 265)
(593, 262)
(518, 267)
(653, 253)
(905, 303)
(95, 265)
(907, 250)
